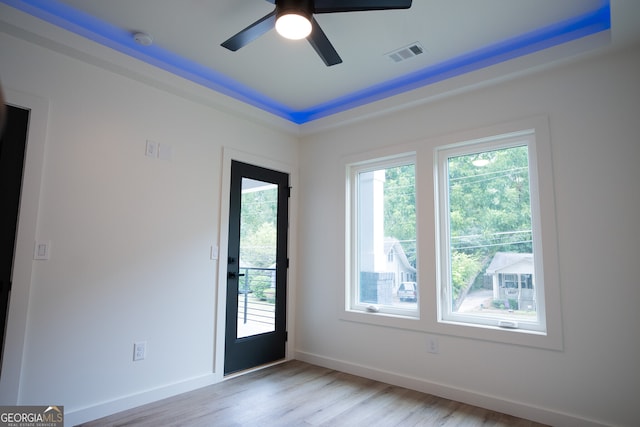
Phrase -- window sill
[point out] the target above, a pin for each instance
(519, 337)
(390, 320)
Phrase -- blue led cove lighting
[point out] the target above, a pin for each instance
(101, 32)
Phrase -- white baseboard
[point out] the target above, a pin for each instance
(124, 403)
(494, 403)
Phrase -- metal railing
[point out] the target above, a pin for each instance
(255, 280)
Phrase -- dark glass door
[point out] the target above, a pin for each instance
(256, 267)
(12, 150)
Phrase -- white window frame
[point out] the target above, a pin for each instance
(467, 148)
(428, 231)
(352, 303)
(547, 332)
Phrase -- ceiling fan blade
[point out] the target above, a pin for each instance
(251, 33)
(331, 6)
(322, 45)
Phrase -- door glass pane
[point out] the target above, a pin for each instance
(257, 281)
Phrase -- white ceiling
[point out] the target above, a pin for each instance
(287, 78)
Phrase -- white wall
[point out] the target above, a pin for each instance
(130, 235)
(594, 110)
(131, 241)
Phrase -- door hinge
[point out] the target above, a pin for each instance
(287, 262)
(286, 336)
(289, 192)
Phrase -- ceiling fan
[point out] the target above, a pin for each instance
(294, 19)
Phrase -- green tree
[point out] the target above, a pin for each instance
(464, 268)
(489, 211)
(400, 208)
(258, 219)
(258, 238)
(258, 249)
(489, 206)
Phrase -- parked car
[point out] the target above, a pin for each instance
(408, 291)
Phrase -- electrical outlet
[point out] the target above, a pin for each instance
(139, 350)
(432, 344)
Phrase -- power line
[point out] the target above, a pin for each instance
(499, 233)
(491, 245)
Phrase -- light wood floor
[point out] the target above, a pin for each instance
(299, 394)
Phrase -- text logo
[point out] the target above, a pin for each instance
(32, 416)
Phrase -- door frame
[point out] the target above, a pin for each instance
(229, 154)
(23, 264)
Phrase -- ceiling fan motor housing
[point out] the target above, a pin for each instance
(298, 7)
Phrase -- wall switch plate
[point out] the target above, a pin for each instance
(151, 149)
(165, 151)
(139, 350)
(213, 253)
(42, 250)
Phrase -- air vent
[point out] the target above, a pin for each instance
(406, 52)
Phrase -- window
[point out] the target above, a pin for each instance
(490, 271)
(382, 238)
(474, 212)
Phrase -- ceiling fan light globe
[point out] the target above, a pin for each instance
(293, 26)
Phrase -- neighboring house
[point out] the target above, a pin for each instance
(383, 262)
(397, 263)
(512, 275)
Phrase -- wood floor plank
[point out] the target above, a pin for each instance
(296, 393)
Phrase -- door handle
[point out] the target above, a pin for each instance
(232, 275)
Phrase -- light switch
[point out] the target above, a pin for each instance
(42, 250)
(151, 149)
(214, 252)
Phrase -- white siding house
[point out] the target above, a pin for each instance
(513, 278)
(397, 262)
